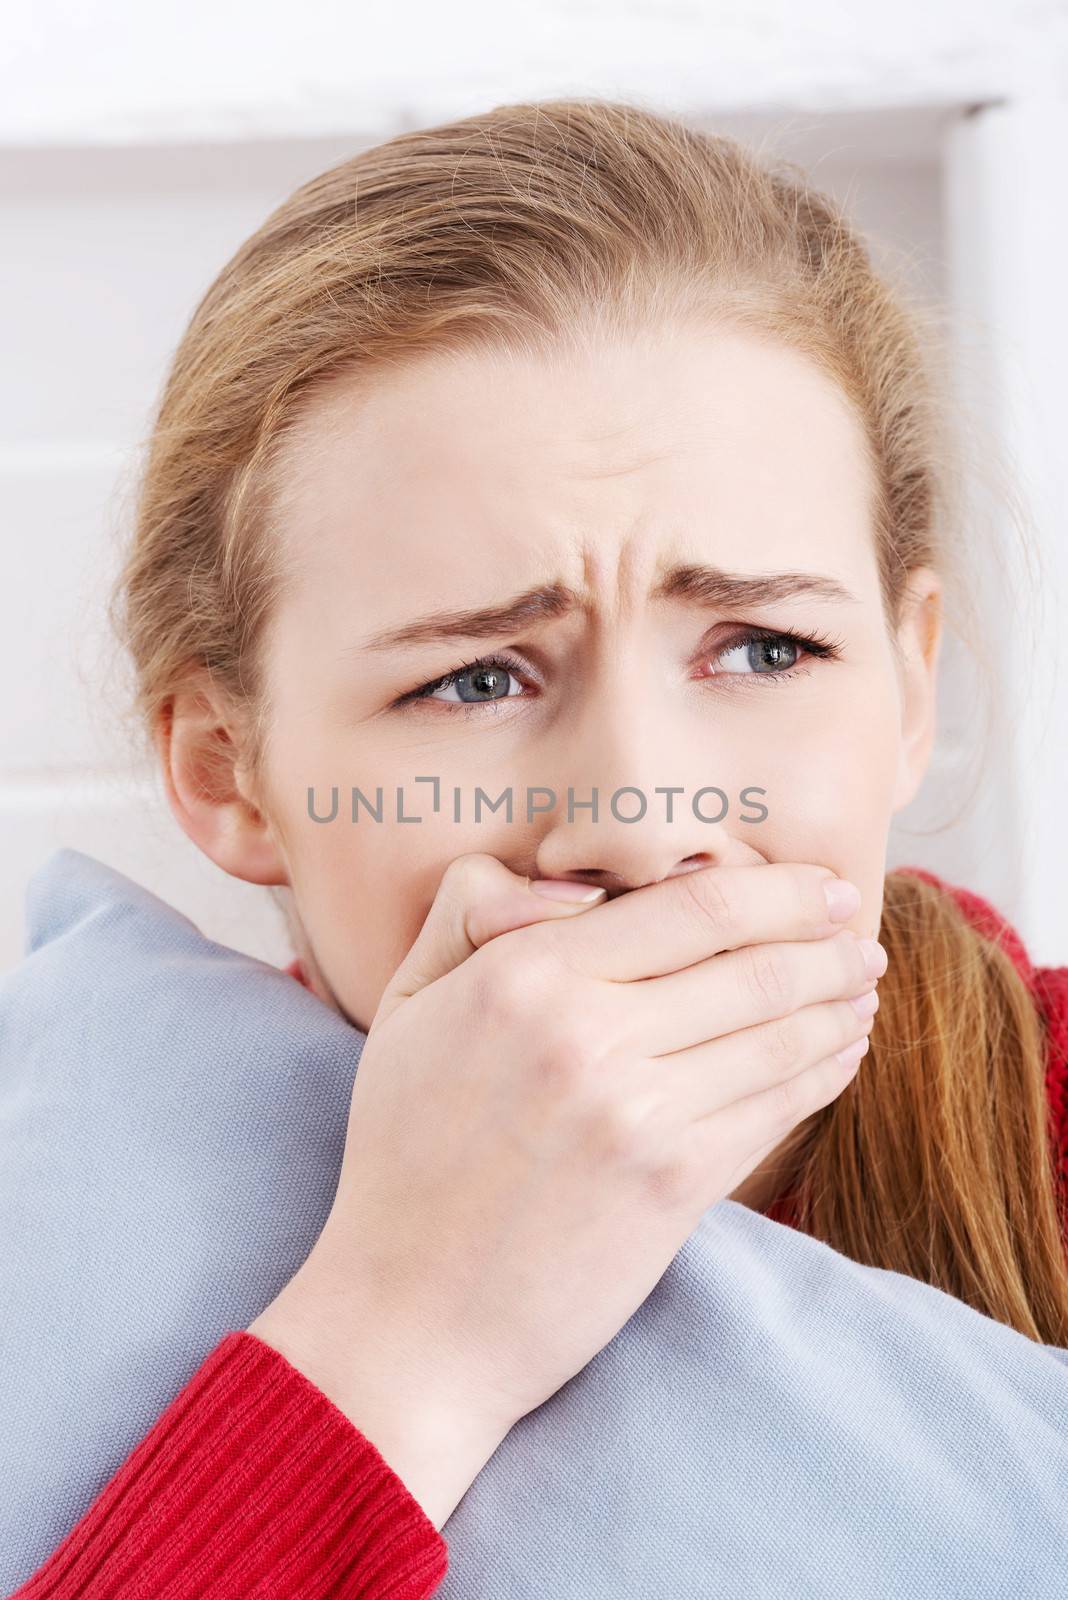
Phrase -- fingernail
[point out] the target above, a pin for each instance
(865, 1005)
(843, 898)
(564, 889)
(875, 957)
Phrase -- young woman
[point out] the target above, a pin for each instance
(565, 450)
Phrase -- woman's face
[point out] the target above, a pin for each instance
(666, 499)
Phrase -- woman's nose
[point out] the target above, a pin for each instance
(618, 862)
(638, 798)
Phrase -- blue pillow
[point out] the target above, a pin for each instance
(775, 1420)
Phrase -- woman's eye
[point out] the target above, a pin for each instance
(768, 655)
(476, 683)
(761, 654)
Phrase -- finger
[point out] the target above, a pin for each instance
(741, 988)
(671, 924)
(762, 1120)
(477, 899)
(704, 1080)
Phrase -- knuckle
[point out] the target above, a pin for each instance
(544, 951)
(811, 899)
(635, 1132)
(523, 987)
(706, 896)
(618, 1129)
(561, 1065)
(766, 978)
(567, 1048)
(465, 876)
(845, 1025)
(625, 1129)
(782, 1042)
(848, 968)
(799, 1097)
(850, 961)
(788, 1102)
(510, 983)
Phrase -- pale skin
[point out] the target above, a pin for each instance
(458, 485)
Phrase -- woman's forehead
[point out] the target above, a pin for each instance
(610, 410)
(719, 449)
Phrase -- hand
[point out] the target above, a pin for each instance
(548, 1100)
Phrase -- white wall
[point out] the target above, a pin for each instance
(124, 189)
(127, 72)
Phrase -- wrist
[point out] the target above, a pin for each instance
(428, 1428)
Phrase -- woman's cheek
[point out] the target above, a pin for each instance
(834, 806)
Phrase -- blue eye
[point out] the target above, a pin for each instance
(481, 682)
(755, 646)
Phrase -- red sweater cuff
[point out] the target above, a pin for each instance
(251, 1484)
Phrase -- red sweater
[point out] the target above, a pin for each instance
(253, 1485)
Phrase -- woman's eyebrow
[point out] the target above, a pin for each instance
(699, 584)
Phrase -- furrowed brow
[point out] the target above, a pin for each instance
(695, 584)
(706, 585)
(535, 605)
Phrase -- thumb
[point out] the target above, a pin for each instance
(477, 899)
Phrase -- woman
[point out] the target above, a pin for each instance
(565, 449)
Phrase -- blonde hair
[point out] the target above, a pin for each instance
(531, 227)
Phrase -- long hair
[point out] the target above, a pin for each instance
(529, 227)
(937, 1160)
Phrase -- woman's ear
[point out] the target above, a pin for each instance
(209, 788)
(919, 639)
